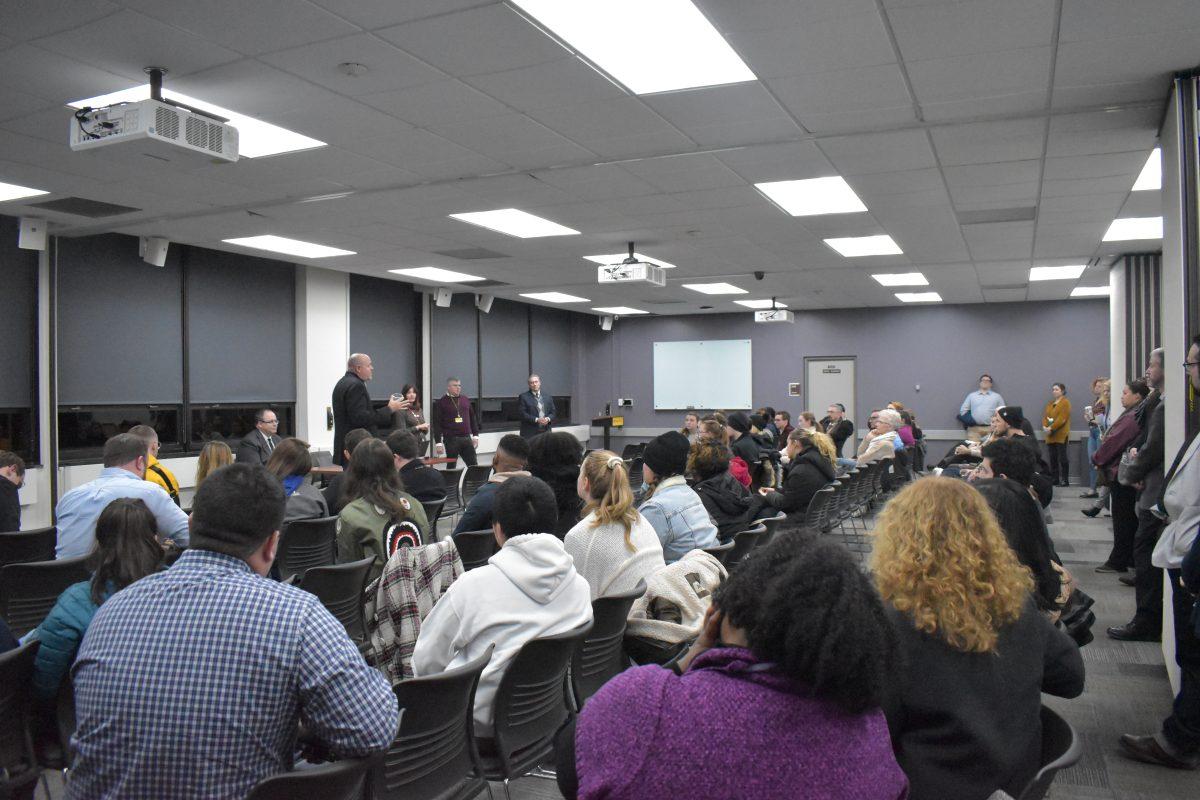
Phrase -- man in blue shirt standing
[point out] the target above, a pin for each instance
(125, 458)
(193, 682)
(978, 407)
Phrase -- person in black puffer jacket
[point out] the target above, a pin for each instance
(729, 503)
(807, 472)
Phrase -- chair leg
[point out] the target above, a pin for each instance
(542, 772)
(488, 784)
(507, 793)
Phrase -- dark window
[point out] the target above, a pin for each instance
(16, 432)
(83, 430)
(19, 356)
(504, 413)
(229, 423)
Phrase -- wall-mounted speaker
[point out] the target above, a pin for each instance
(484, 302)
(153, 250)
(442, 298)
(606, 322)
(32, 235)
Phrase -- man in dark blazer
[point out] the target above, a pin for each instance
(257, 445)
(537, 409)
(837, 426)
(352, 404)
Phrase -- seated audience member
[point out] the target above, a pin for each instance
(771, 661)
(123, 476)
(783, 423)
(881, 442)
(127, 550)
(333, 491)
(7, 640)
(713, 430)
(257, 445)
(613, 546)
(741, 440)
(213, 456)
(905, 431)
(964, 710)
(555, 458)
(379, 516)
(507, 462)
(155, 471)
(824, 444)
(529, 589)
(836, 425)
(808, 471)
(672, 508)
(691, 426)
(730, 505)
(420, 480)
(768, 415)
(12, 476)
(191, 682)
(1021, 523)
(1008, 457)
(808, 421)
(291, 462)
(760, 431)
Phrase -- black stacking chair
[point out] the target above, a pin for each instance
(433, 756)
(599, 656)
(721, 551)
(816, 516)
(771, 524)
(1061, 748)
(473, 478)
(454, 503)
(307, 543)
(36, 544)
(529, 707)
(28, 591)
(633, 451)
(339, 780)
(433, 510)
(19, 769)
(743, 543)
(634, 468)
(340, 588)
(475, 547)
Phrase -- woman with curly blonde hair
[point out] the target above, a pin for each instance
(964, 713)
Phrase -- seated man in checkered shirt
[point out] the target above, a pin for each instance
(191, 683)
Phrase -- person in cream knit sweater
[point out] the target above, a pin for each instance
(614, 547)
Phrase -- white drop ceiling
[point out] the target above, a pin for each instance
(985, 137)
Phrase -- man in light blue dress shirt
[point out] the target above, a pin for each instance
(979, 406)
(123, 476)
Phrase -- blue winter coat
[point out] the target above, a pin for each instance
(60, 634)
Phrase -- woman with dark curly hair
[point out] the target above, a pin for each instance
(778, 698)
(555, 458)
(964, 712)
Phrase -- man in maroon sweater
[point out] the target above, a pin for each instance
(454, 427)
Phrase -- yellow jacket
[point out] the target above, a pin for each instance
(157, 474)
(1060, 428)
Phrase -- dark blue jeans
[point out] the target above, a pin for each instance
(1182, 728)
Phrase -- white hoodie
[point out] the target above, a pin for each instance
(529, 589)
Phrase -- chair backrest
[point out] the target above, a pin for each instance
(36, 544)
(721, 551)
(433, 512)
(599, 656)
(1061, 748)
(16, 746)
(340, 587)
(530, 703)
(454, 502)
(28, 591)
(339, 780)
(473, 478)
(323, 458)
(307, 543)
(822, 508)
(432, 755)
(475, 547)
(634, 468)
(771, 524)
(743, 543)
(633, 450)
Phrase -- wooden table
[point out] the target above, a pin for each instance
(442, 460)
(332, 469)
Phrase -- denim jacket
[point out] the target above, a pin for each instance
(679, 518)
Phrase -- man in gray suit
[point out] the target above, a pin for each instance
(257, 445)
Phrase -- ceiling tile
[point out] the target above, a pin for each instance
(860, 97)
(1158, 56)
(388, 67)
(251, 87)
(1101, 165)
(879, 152)
(820, 46)
(726, 115)
(999, 240)
(974, 77)
(1092, 20)
(564, 81)
(372, 14)
(29, 20)
(1113, 131)
(686, 173)
(778, 162)
(426, 154)
(988, 142)
(602, 182)
(750, 15)
(603, 127)
(436, 103)
(971, 28)
(1007, 172)
(514, 139)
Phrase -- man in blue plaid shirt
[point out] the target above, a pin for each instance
(190, 683)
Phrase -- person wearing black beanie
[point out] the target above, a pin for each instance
(741, 442)
(672, 508)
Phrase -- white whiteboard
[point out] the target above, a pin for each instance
(712, 374)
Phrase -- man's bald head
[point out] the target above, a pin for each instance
(360, 365)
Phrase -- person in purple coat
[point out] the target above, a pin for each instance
(778, 698)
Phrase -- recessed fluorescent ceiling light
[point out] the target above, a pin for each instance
(1090, 291)
(854, 246)
(714, 288)
(1056, 273)
(515, 222)
(1134, 228)
(255, 137)
(621, 311)
(1150, 177)
(760, 304)
(656, 46)
(291, 247)
(902, 279)
(617, 258)
(436, 275)
(10, 191)
(807, 198)
(918, 297)
(555, 297)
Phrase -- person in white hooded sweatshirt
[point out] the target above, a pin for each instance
(529, 589)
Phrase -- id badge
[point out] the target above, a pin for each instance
(458, 420)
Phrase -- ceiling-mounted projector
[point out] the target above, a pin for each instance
(774, 315)
(632, 271)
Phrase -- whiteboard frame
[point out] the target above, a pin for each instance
(749, 343)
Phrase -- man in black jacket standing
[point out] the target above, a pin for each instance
(352, 404)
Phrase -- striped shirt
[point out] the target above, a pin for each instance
(190, 683)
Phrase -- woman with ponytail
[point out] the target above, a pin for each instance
(614, 546)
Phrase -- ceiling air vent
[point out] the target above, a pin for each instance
(1022, 214)
(83, 207)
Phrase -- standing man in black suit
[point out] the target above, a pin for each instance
(352, 404)
(257, 445)
(537, 409)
